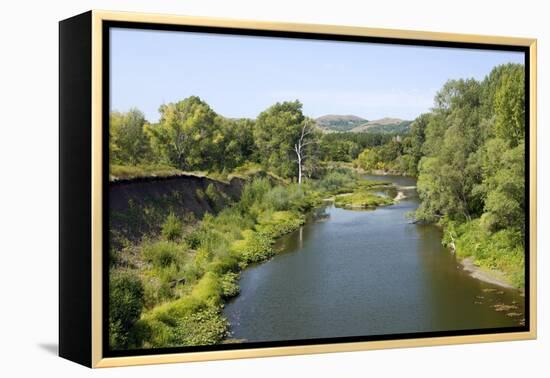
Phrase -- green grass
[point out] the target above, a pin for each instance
(361, 199)
(187, 274)
(127, 172)
(172, 228)
(501, 252)
(187, 269)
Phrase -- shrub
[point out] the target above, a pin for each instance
(204, 327)
(172, 229)
(253, 193)
(276, 224)
(125, 305)
(254, 247)
(162, 254)
(337, 181)
(193, 239)
(230, 284)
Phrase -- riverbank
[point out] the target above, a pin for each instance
(489, 276)
(497, 256)
(188, 273)
(187, 276)
(373, 263)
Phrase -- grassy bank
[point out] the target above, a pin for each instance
(180, 277)
(500, 253)
(175, 281)
(127, 172)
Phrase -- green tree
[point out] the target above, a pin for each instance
(128, 142)
(509, 106)
(278, 133)
(238, 144)
(188, 135)
(503, 185)
(413, 143)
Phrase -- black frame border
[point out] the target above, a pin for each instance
(107, 25)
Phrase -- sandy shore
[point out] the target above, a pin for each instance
(483, 275)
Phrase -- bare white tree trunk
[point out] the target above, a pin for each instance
(299, 168)
(307, 129)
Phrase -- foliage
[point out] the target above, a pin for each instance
(125, 305)
(230, 284)
(337, 181)
(347, 146)
(277, 131)
(161, 254)
(361, 199)
(472, 172)
(253, 247)
(128, 143)
(469, 156)
(172, 228)
(224, 143)
(187, 276)
(500, 251)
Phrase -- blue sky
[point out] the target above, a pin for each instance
(242, 76)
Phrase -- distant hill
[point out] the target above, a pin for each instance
(331, 122)
(350, 123)
(384, 126)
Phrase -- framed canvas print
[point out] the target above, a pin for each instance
(235, 189)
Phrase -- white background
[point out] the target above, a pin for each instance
(29, 189)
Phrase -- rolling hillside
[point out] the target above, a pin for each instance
(331, 123)
(350, 123)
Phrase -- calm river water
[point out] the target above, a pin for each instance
(359, 273)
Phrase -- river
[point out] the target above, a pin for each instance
(365, 273)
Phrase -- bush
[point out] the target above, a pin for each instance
(279, 223)
(204, 327)
(230, 284)
(126, 299)
(254, 247)
(162, 254)
(172, 229)
(291, 197)
(253, 193)
(337, 181)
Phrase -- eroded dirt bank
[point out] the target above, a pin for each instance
(139, 206)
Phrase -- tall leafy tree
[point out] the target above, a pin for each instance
(128, 142)
(278, 132)
(188, 135)
(509, 105)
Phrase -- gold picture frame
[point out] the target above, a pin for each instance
(92, 24)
